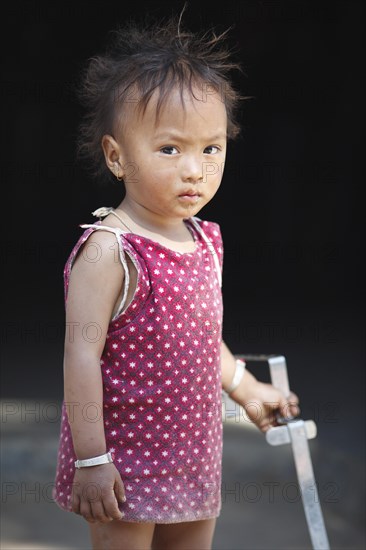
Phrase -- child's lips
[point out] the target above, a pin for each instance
(190, 195)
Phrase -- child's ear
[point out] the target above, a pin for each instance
(112, 155)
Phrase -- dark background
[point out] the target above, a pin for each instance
(290, 205)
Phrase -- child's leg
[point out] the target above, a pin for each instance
(121, 535)
(190, 535)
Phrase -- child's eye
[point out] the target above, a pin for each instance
(211, 149)
(169, 150)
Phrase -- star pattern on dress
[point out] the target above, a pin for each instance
(162, 384)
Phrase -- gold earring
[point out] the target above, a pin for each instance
(119, 178)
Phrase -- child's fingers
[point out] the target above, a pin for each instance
(289, 406)
(85, 511)
(293, 398)
(75, 503)
(294, 410)
(293, 402)
(119, 489)
(111, 506)
(99, 513)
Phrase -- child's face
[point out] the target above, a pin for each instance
(173, 166)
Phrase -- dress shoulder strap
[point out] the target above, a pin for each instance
(198, 227)
(118, 233)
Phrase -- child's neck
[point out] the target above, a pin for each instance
(140, 218)
(172, 232)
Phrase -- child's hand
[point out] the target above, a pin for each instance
(96, 492)
(266, 402)
(263, 401)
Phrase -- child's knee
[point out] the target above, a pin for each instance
(121, 535)
(195, 535)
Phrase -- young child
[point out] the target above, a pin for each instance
(144, 362)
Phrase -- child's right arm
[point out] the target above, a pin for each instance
(93, 290)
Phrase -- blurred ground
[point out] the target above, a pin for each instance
(261, 506)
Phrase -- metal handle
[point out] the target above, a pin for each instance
(278, 372)
(297, 432)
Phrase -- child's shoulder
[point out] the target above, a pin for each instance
(97, 233)
(95, 245)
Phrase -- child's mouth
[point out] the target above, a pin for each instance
(189, 197)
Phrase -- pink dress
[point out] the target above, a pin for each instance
(161, 381)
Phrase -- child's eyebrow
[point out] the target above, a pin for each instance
(176, 136)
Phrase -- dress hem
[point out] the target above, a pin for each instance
(152, 520)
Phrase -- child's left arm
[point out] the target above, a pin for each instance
(260, 400)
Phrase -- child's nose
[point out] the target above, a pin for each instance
(192, 169)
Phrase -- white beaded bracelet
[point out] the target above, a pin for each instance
(102, 459)
(238, 375)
